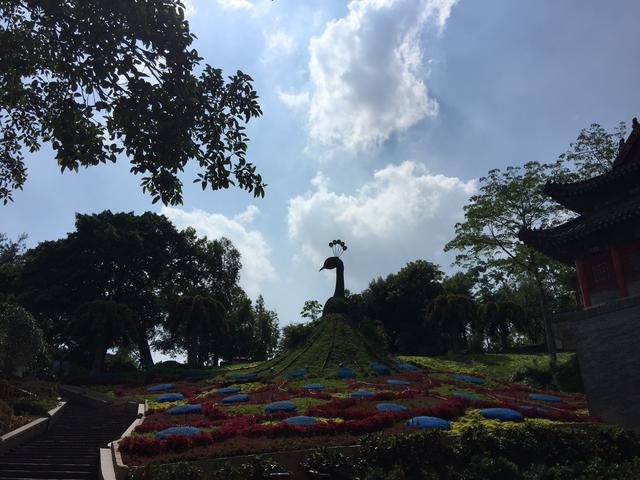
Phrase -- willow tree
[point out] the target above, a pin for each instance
(454, 317)
(197, 323)
(500, 320)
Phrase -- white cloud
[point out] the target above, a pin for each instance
(402, 214)
(366, 72)
(236, 4)
(279, 43)
(256, 266)
(294, 101)
(248, 215)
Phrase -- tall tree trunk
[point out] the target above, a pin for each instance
(98, 356)
(146, 360)
(548, 326)
(504, 337)
(192, 351)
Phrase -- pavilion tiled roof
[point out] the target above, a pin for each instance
(587, 195)
(559, 242)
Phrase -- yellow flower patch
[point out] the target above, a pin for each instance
(341, 395)
(165, 405)
(327, 420)
(472, 418)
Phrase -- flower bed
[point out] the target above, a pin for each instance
(334, 416)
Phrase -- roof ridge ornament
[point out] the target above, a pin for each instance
(625, 145)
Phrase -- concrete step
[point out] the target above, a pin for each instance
(47, 466)
(70, 449)
(66, 474)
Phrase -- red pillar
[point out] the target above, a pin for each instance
(583, 282)
(619, 272)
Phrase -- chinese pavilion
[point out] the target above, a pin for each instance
(603, 243)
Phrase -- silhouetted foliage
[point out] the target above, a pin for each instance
(399, 302)
(141, 261)
(100, 79)
(267, 332)
(100, 325)
(295, 335)
(22, 343)
(312, 310)
(11, 252)
(594, 150)
(460, 283)
(450, 318)
(500, 321)
(197, 324)
(511, 199)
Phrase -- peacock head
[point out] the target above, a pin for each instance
(339, 248)
(331, 263)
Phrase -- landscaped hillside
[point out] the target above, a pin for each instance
(241, 412)
(334, 343)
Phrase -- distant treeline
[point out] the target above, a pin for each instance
(129, 282)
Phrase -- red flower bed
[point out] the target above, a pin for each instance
(228, 434)
(212, 411)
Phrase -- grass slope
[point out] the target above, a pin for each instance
(493, 365)
(335, 342)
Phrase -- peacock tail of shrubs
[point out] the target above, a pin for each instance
(334, 342)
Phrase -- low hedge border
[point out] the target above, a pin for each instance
(581, 452)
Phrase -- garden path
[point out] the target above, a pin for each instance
(70, 448)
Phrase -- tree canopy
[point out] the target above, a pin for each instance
(21, 339)
(594, 151)
(511, 199)
(197, 323)
(399, 302)
(141, 261)
(102, 79)
(487, 240)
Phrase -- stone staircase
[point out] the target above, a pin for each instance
(70, 448)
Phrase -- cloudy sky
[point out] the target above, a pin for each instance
(379, 117)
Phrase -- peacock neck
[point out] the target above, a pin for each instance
(339, 281)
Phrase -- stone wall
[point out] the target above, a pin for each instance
(607, 341)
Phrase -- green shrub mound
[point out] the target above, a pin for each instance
(335, 342)
(477, 454)
(564, 376)
(505, 454)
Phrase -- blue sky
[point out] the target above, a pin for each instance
(379, 117)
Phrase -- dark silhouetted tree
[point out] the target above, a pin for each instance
(501, 320)
(487, 240)
(399, 302)
(594, 150)
(100, 79)
(311, 310)
(11, 256)
(451, 318)
(101, 325)
(21, 339)
(267, 331)
(197, 324)
(141, 261)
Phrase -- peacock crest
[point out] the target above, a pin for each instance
(338, 247)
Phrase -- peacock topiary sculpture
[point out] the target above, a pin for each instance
(337, 303)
